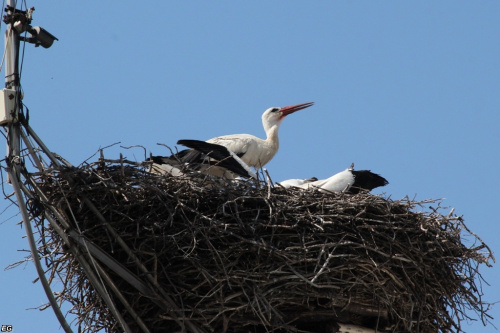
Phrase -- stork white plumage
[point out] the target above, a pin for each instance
(296, 182)
(253, 151)
(349, 180)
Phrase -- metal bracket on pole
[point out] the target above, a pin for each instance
(21, 21)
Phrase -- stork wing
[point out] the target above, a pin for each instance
(223, 156)
(367, 180)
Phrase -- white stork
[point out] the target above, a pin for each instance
(253, 151)
(349, 180)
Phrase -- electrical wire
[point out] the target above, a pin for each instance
(5, 51)
(1, 21)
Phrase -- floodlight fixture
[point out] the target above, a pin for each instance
(42, 37)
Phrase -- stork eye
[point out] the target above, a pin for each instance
(275, 109)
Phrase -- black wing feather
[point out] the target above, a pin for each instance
(219, 153)
(366, 180)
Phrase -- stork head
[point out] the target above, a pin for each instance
(274, 116)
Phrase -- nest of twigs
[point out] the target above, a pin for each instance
(208, 255)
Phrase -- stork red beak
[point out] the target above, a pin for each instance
(286, 110)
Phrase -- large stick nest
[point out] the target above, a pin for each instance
(248, 257)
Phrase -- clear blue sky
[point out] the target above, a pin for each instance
(408, 89)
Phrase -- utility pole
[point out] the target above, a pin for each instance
(18, 22)
(11, 94)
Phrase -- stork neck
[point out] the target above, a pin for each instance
(272, 134)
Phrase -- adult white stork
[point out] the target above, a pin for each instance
(253, 151)
(349, 180)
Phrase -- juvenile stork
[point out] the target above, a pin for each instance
(349, 180)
